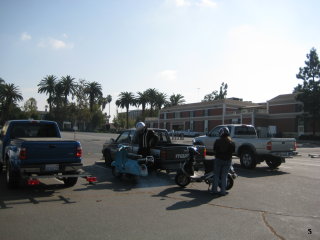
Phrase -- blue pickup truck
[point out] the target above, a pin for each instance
(31, 150)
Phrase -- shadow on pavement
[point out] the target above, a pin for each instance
(105, 179)
(197, 197)
(259, 171)
(30, 194)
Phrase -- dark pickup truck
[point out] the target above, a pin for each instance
(31, 149)
(167, 155)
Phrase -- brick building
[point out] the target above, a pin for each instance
(281, 115)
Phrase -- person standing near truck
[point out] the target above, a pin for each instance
(146, 139)
(223, 147)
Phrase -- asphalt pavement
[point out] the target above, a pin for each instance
(263, 204)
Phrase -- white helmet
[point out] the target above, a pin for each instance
(140, 126)
(224, 132)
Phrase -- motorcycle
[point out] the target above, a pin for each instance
(129, 163)
(186, 173)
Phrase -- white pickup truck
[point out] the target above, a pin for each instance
(249, 148)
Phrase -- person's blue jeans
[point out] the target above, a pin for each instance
(221, 169)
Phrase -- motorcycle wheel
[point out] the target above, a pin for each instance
(230, 182)
(181, 179)
(115, 172)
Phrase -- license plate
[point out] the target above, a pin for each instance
(52, 167)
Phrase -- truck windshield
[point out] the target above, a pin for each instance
(33, 130)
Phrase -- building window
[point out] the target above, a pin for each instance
(177, 115)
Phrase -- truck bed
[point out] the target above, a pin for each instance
(48, 150)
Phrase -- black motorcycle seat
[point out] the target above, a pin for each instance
(134, 156)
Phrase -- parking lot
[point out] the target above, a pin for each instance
(263, 204)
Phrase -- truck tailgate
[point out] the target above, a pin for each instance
(283, 144)
(50, 151)
(173, 155)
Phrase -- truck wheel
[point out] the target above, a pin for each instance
(107, 158)
(247, 159)
(181, 179)
(273, 163)
(12, 177)
(70, 181)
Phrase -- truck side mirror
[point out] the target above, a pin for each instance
(112, 140)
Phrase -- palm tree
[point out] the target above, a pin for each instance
(109, 100)
(11, 95)
(2, 83)
(58, 97)
(142, 100)
(152, 94)
(47, 85)
(124, 101)
(103, 102)
(160, 100)
(176, 99)
(69, 87)
(94, 91)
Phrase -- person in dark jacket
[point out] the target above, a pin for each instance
(146, 139)
(223, 147)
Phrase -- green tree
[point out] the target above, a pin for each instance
(47, 85)
(30, 108)
(309, 90)
(160, 100)
(58, 97)
(10, 95)
(94, 92)
(217, 95)
(109, 100)
(103, 102)
(59, 111)
(151, 95)
(119, 121)
(176, 99)
(69, 87)
(124, 101)
(80, 94)
(2, 84)
(142, 99)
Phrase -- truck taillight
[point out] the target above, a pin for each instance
(269, 146)
(23, 154)
(79, 152)
(204, 152)
(295, 146)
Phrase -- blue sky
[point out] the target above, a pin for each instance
(176, 46)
